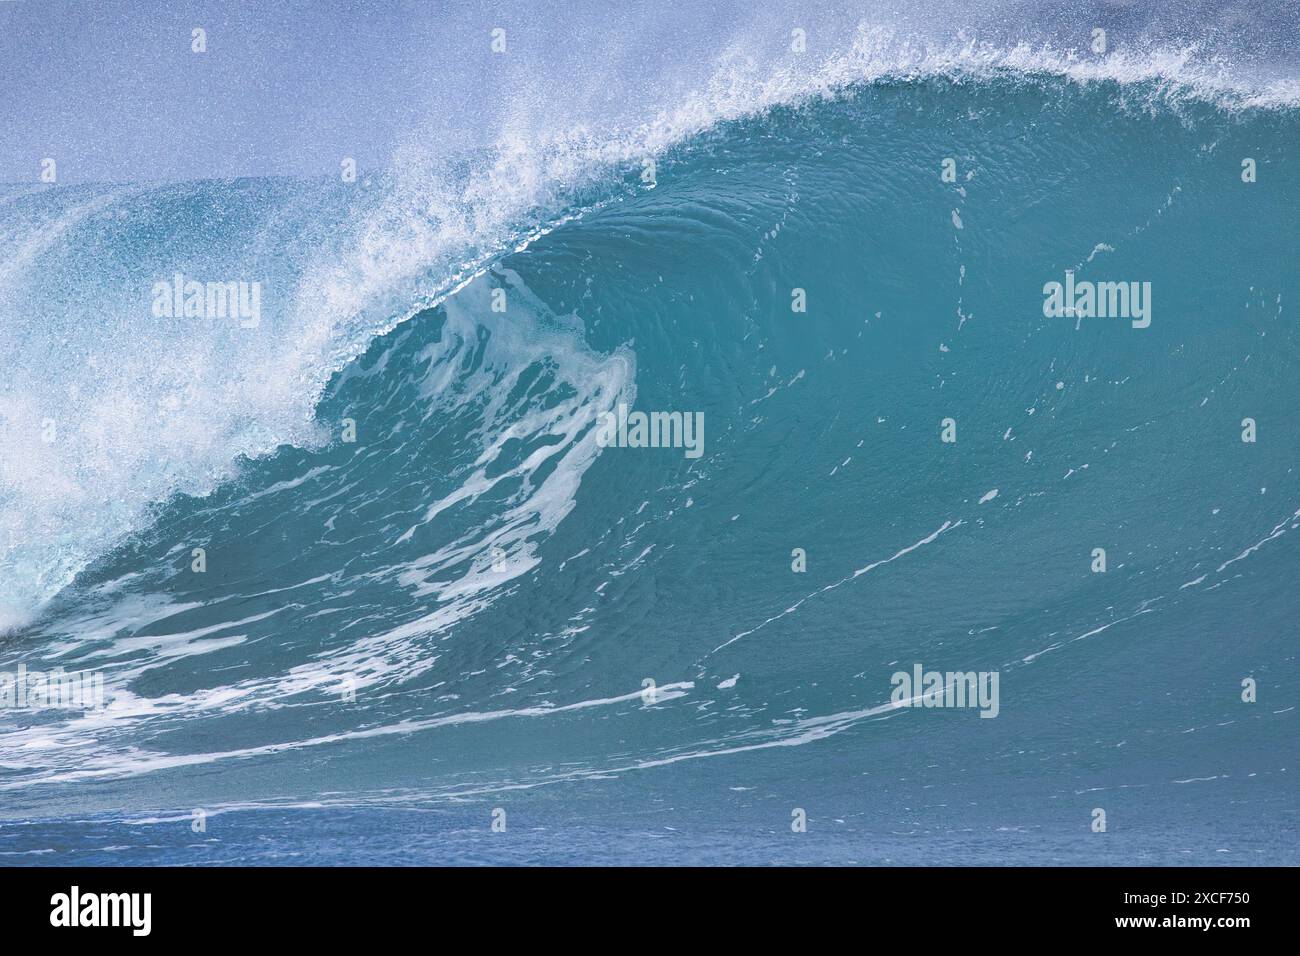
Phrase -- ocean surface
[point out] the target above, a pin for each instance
(439, 621)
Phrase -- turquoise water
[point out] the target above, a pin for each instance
(457, 612)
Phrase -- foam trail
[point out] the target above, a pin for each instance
(928, 539)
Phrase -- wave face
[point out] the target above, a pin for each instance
(431, 590)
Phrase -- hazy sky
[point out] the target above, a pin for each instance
(112, 90)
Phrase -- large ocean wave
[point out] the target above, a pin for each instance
(468, 599)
